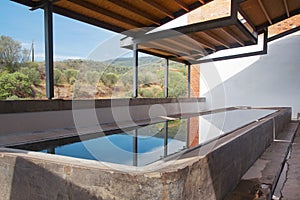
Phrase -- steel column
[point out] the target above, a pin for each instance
(167, 79)
(189, 80)
(188, 126)
(48, 23)
(135, 70)
(166, 139)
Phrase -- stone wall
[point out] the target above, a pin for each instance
(33, 116)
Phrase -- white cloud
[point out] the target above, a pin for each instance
(41, 57)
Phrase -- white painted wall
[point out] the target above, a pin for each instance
(267, 80)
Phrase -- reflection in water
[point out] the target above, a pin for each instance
(147, 144)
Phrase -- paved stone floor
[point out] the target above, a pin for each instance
(291, 187)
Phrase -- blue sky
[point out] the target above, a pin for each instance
(72, 39)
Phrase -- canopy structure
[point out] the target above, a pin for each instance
(190, 43)
(186, 44)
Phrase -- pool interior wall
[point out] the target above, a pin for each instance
(195, 175)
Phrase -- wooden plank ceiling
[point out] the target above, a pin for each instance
(263, 13)
(120, 15)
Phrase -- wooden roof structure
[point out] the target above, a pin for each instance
(190, 43)
(190, 46)
(120, 15)
(263, 13)
(184, 44)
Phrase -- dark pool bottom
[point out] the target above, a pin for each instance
(144, 145)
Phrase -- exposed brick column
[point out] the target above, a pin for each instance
(194, 132)
(195, 80)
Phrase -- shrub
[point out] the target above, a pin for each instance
(177, 85)
(109, 79)
(33, 74)
(15, 85)
(70, 75)
(92, 77)
(58, 77)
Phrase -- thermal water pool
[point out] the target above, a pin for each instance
(140, 146)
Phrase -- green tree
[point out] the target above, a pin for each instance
(92, 77)
(70, 75)
(58, 77)
(109, 79)
(11, 54)
(32, 72)
(15, 84)
(177, 84)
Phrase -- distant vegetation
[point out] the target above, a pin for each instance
(22, 79)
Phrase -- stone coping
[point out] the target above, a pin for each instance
(19, 106)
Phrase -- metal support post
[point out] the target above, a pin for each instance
(48, 23)
(188, 126)
(189, 80)
(167, 79)
(135, 70)
(166, 139)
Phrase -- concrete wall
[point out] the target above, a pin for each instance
(32, 116)
(267, 80)
(195, 175)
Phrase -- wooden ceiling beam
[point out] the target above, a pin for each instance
(286, 8)
(202, 42)
(233, 36)
(136, 11)
(159, 8)
(107, 13)
(188, 46)
(192, 57)
(202, 2)
(88, 20)
(264, 11)
(216, 39)
(159, 47)
(165, 46)
(182, 48)
(182, 5)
